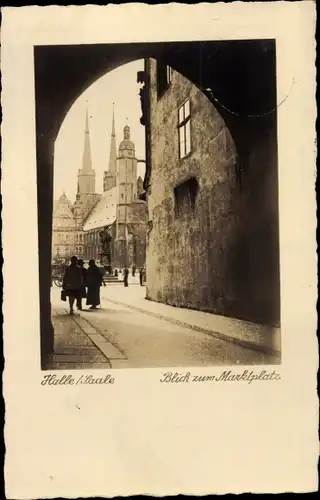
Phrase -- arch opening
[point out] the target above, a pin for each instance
(248, 140)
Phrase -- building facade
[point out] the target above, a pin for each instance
(77, 227)
(210, 234)
(68, 218)
(63, 236)
(120, 212)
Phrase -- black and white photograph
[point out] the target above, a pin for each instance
(158, 213)
(159, 243)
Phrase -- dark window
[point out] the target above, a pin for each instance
(164, 78)
(185, 195)
(184, 129)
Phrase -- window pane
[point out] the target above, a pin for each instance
(168, 74)
(187, 109)
(188, 137)
(181, 114)
(181, 142)
(182, 150)
(181, 134)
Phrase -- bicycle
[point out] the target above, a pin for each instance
(57, 282)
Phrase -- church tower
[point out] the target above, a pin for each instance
(126, 170)
(86, 174)
(86, 195)
(109, 177)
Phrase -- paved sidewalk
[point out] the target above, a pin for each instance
(73, 347)
(252, 335)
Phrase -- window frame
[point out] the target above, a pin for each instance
(185, 196)
(182, 125)
(164, 73)
(169, 70)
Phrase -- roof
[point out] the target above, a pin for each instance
(62, 202)
(104, 213)
(126, 144)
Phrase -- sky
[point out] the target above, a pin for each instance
(119, 87)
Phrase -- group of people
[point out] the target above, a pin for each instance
(125, 273)
(142, 275)
(81, 283)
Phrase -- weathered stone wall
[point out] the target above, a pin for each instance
(187, 255)
(215, 257)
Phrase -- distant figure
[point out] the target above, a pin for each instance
(125, 276)
(103, 272)
(133, 270)
(116, 273)
(72, 282)
(141, 272)
(83, 292)
(144, 275)
(94, 281)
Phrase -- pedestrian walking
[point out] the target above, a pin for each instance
(144, 275)
(103, 272)
(83, 292)
(133, 270)
(94, 282)
(72, 282)
(125, 276)
(141, 276)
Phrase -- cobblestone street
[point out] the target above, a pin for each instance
(129, 331)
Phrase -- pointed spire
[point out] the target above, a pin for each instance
(113, 123)
(113, 148)
(86, 159)
(87, 122)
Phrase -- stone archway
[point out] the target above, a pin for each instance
(238, 77)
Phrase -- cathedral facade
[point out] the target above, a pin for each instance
(78, 228)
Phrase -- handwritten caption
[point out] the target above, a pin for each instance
(80, 380)
(225, 376)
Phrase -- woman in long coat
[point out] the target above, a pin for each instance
(93, 281)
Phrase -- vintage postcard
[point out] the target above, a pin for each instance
(159, 221)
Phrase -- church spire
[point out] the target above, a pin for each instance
(86, 175)
(112, 168)
(86, 159)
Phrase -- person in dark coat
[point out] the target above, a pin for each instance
(141, 272)
(83, 293)
(94, 281)
(133, 270)
(125, 276)
(72, 282)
